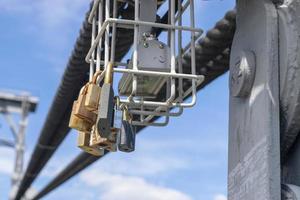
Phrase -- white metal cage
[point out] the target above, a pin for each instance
(154, 64)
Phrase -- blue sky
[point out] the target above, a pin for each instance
(187, 160)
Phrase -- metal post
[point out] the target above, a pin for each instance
(23, 105)
(20, 143)
(254, 149)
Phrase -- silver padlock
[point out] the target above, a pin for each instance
(127, 133)
(106, 105)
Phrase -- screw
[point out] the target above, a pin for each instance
(146, 45)
(161, 46)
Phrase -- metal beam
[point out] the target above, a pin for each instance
(254, 140)
(12, 103)
(21, 104)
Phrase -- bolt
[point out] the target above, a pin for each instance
(161, 46)
(146, 45)
(242, 74)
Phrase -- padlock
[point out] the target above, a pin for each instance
(80, 110)
(127, 133)
(79, 123)
(106, 105)
(93, 93)
(104, 143)
(84, 143)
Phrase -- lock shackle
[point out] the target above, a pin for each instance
(126, 115)
(109, 72)
(118, 103)
(84, 89)
(95, 77)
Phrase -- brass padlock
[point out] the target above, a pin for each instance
(83, 142)
(105, 143)
(79, 123)
(93, 94)
(80, 110)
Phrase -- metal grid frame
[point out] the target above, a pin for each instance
(105, 26)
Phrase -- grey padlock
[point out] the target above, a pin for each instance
(106, 105)
(127, 134)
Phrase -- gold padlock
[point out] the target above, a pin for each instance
(105, 143)
(83, 142)
(93, 94)
(79, 123)
(81, 111)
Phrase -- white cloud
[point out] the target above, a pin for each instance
(119, 187)
(142, 164)
(154, 158)
(220, 197)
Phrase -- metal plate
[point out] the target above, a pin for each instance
(254, 149)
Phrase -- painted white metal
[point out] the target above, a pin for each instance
(142, 106)
(254, 132)
(17, 104)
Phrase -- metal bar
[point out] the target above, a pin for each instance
(154, 113)
(193, 53)
(135, 46)
(156, 124)
(173, 53)
(135, 23)
(114, 31)
(93, 11)
(164, 74)
(183, 9)
(20, 143)
(12, 125)
(106, 46)
(180, 53)
(114, 63)
(142, 109)
(93, 55)
(152, 24)
(99, 47)
(188, 46)
(10, 102)
(185, 95)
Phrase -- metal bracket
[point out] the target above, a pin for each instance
(254, 149)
